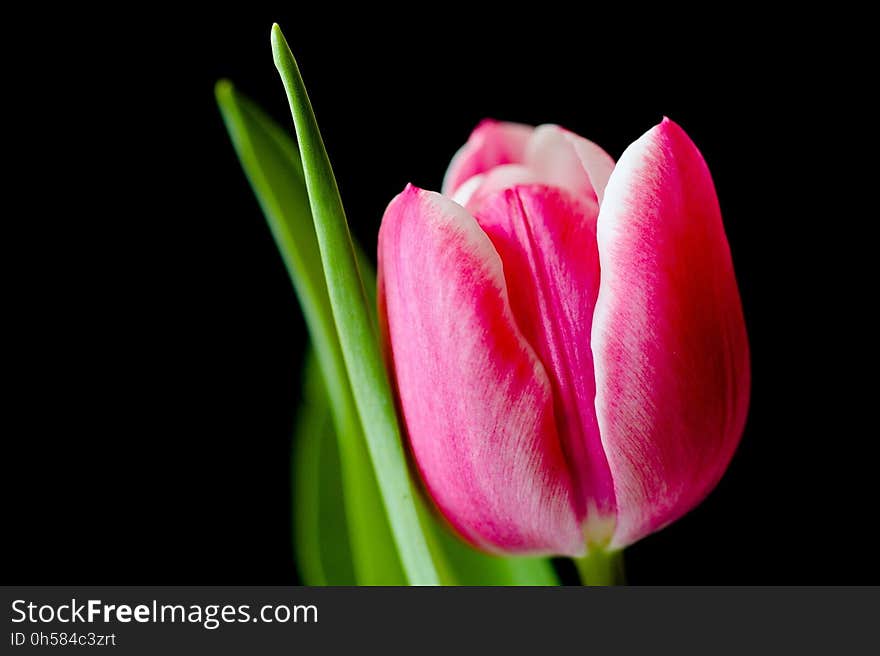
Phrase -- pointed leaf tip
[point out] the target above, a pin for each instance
(223, 90)
(279, 43)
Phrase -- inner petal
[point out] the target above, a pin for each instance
(567, 160)
(546, 238)
(473, 193)
(491, 144)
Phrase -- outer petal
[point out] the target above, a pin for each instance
(475, 399)
(669, 340)
(491, 144)
(546, 238)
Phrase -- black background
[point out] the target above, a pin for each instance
(157, 341)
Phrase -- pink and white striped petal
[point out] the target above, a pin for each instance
(546, 237)
(476, 401)
(569, 161)
(491, 144)
(551, 155)
(669, 340)
(473, 193)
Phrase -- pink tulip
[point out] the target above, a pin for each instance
(566, 337)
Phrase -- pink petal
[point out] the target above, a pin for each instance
(473, 193)
(546, 238)
(669, 340)
(565, 159)
(596, 162)
(475, 399)
(491, 144)
(552, 156)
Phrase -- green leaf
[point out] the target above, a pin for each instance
(321, 541)
(272, 164)
(360, 346)
(472, 567)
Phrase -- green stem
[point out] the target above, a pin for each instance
(601, 568)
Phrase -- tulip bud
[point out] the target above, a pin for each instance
(566, 337)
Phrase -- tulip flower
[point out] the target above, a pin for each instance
(565, 336)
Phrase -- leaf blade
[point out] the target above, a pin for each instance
(321, 540)
(356, 335)
(272, 165)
